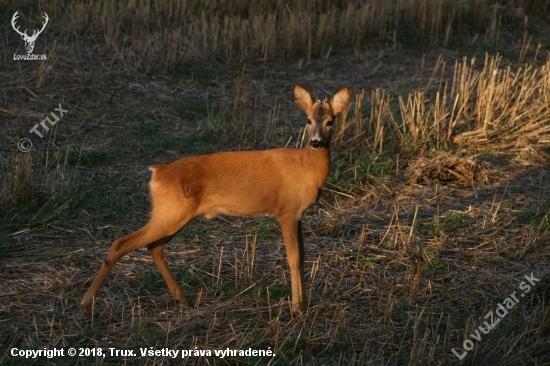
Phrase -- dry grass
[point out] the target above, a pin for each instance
(436, 207)
(150, 36)
(18, 186)
(444, 169)
(495, 105)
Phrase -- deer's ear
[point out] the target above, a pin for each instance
(340, 101)
(303, 98)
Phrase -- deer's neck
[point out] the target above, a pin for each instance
(320, 163)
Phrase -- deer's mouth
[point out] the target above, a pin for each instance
(316, 144)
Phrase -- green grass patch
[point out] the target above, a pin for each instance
(200, 73)
(276, 292)
(89, 158)
(151, 280)
(266, 226)
(193, 108)
(112, 204)
(118, 200)
(537, 219)
(83, 261)
(352, 169)
(9, 246)
(434, 267)
(449, 223)
(148, 137)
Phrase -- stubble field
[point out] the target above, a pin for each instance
(436, 209)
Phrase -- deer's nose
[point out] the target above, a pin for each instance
(316, 144)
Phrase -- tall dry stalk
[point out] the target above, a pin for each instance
(491, 104)
(240, 30)
(18, 186)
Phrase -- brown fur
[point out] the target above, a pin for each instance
(283, 182)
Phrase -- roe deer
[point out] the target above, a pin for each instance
(283, 182)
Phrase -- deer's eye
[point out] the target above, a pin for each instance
(329, 123)
(308, 121)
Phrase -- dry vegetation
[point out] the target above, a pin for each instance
(437, 205)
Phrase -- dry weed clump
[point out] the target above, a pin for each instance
(534, 156)
(444, 169)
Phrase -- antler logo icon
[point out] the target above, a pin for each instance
(29, 41)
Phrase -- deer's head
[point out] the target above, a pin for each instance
(320, 114)
(29, 40)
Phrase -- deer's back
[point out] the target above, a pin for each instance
(245, 182)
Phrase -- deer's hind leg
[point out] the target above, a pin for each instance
(155, 235)
(157, 252)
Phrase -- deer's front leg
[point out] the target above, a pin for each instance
(294, 245)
